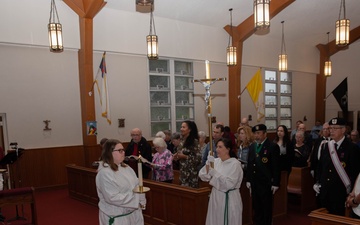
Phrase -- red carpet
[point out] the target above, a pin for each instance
(55, 207)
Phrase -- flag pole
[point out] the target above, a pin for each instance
(327, 96)
(242, 91)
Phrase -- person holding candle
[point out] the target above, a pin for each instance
(115, 182)
(162, 162)
(188, 154)
(225, 204)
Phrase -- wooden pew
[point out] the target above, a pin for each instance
(174, 204)
(322, 217)
(81, 184)
(301, 184)
(19, 196)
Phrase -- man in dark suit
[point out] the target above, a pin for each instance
(338, 168)
(263, 176)
(319, 144)
(138, 146)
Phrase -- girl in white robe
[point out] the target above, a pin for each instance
(118, 204)
(225, 204)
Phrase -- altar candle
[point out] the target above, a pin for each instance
(140, 175)
(207, 67)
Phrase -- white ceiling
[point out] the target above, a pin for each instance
(306, 21)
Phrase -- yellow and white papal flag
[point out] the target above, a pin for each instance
(256, 92)
(103, 91)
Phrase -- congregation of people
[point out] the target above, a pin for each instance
(227, 160)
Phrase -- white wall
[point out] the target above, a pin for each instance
(344, 64)
(36, 85)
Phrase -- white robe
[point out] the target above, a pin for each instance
(226, 175)
(116, 196)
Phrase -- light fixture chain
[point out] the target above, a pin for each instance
(231, 28)
(152, 22)
(53, 12)
(342, 6)
(328, 46)
(283, 47)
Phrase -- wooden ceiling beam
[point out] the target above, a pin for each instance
(86, 8)
(327, 50)
(246, 28)
(333, 48)
(239, 34)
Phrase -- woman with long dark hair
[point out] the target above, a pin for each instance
(286, 148)
(225, 204)
(188, 154)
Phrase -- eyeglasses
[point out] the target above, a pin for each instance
(135, 135)
(335, 128)
(120, 150)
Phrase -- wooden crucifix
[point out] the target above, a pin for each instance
(207, 82)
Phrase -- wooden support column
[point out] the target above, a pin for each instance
(326, 51)
(240, 34)
(86, 9)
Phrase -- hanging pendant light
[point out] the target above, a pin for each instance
(283, 59)
(152, 39)
(342, 27)
(55, 30)
(231, 50)
(261, 14)
(327, 67)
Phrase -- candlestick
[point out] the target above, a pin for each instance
(207, 67)
(140, 175)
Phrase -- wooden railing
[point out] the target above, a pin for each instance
(322, 217)
(171, 203)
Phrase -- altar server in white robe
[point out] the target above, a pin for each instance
(115, 181)
(225, 204)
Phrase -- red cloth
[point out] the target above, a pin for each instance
(136, 151)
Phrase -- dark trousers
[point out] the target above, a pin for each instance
(335, 203)
(262, 201)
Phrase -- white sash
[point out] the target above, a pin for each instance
(320, 147)
(338, 166)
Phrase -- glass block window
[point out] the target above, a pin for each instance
(278, 99)
(171, 94)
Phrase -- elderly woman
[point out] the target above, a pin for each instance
(202, 139)
(162, 162)
(225, 204)
(115, 181)
(302, 151)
